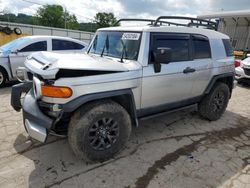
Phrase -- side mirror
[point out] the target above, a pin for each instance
(161, 56)
(15, 52)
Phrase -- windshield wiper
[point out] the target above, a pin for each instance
(106, 45)
(124, 51)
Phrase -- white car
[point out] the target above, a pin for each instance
(14, 53)
(242, 70)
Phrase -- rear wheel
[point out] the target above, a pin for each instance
(99, 130)
(3, 77)
(214, 104)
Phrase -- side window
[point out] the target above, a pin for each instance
(228, 47)
(37, 46)
(201, 47)
(65, 45)
(179, 45)
(78, 46)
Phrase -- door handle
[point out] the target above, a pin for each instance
(188, 70)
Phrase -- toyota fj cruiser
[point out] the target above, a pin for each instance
(127, 73)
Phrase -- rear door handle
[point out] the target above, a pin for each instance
(188, 70)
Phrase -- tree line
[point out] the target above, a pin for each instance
(57, 16)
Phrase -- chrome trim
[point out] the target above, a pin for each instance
(35, 131)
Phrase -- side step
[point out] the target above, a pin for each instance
(194, 107)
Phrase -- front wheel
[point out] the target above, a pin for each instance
(99, 130)
(214, 104)
(3, 77)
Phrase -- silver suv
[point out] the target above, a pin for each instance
(126, 74)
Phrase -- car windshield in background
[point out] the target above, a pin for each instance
(123, 45)
(6, 48)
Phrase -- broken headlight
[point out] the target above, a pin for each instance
(22, 75)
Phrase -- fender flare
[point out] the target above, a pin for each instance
(216, 78)
(73, 105)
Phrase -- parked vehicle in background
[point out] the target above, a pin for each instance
(235, 24)
(127, 73)
(242, 70)
(14, 53)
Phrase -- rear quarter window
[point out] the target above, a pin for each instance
(35, 47)
(201, 47)
(58, 44)
(228, 47)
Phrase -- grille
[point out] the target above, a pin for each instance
(247, 71)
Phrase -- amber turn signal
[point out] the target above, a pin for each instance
(56, 91)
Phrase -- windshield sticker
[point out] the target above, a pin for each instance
(131, 36)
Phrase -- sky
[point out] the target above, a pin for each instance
(85, 10)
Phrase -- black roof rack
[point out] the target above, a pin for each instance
(140, 20)
(161, 20)
(193, 22)
(135, 19)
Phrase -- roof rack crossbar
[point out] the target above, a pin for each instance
(135, 19)
(193, 21)
(145, 20)
(198, 24)
(172, 23)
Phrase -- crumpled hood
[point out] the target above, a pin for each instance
(47, 64)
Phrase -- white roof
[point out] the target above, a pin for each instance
(172, 29)
(226, 14)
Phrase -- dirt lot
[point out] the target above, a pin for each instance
(174, 150)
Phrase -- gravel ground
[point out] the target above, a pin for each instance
(172, 150)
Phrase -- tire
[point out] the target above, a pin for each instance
(85, 132)
(214, 104)
(3, 77)
(18, 31)
(7, 30)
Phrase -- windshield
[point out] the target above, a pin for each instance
(6, 48)
(123, 45)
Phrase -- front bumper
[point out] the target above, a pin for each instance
(240, 74)
(36, 122)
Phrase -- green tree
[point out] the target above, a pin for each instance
(20, 18)
(71, 21)
(89, 26)
(55, 16)
(104, 19)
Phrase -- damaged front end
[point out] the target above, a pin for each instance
(44, 100)
(39, 118)
(35, 122)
